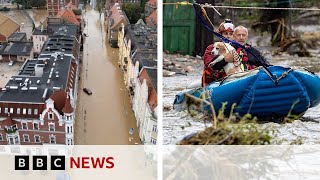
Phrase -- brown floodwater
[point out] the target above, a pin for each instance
(106, 116)
(37, 15)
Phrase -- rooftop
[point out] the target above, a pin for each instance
(18, 48)
(152, 19)
(7, 26)
(117, 16)
(37, 31)
(145, 58)
(17, 36)
(58, 43)
(37, 80)
(152, 73)
(152, 3)
(141, 37)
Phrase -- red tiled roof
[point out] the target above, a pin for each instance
(69, 16)
(116, 16)
(152, 20)
(152, 2)
(8, 122)
(59, 99)
(70, 5)
(67, 106)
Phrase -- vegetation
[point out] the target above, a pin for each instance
(232, 130)
(77, 12)
(28, 4)
(100, 6)
(4, 9)
(133, 11)
(9, 131)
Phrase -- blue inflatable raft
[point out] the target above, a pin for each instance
(254, 92)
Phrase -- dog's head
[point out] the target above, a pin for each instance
(218, 49)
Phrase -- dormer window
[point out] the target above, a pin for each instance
(50, 116)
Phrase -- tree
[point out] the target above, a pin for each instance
(38, 3)
(100, 5)
(133, 11)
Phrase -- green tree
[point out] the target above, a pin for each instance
(133, 11)
(100, 5)
(38, 3)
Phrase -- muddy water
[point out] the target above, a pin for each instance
(105, 117)
(37, 15)
(176, 125)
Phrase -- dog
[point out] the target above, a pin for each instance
(221, 49)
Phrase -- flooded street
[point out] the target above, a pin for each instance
(176, 125)
(37, 15)
(105, 117)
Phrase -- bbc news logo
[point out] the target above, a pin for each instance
(40, 163)
(59, 163)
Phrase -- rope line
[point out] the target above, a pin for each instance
(231, 41)
(206, 5)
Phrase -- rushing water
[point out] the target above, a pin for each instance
(176, 125)
(106, 116)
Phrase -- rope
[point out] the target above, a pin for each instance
(234, 42)
(206, 5)
(265, 8)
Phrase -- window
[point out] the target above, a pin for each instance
(154, 128)
(26, 138)
(51, 127)
(35, 112)
(6, 110)
(153, 141)
(52, 139)
(24, 125)
(36, 138)
(0, 109)
(16, 139)
(68, 129)
(1, 137)
(50, 116)
(18, 110)
(36, 126)
(11, 110)
(24, 111)
(29, 111)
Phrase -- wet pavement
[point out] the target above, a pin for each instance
(106, 116)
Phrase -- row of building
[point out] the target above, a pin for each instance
(15, 46)
(37, 106)
(137, 44)
(115, 16)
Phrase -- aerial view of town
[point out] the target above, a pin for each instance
(78, 72)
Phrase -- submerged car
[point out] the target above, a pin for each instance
(88, 91)
(11, 63)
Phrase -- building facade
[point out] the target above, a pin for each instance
(54, 6)
(37, 106)
(115, 18)
(17, 51)
(137, 60)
